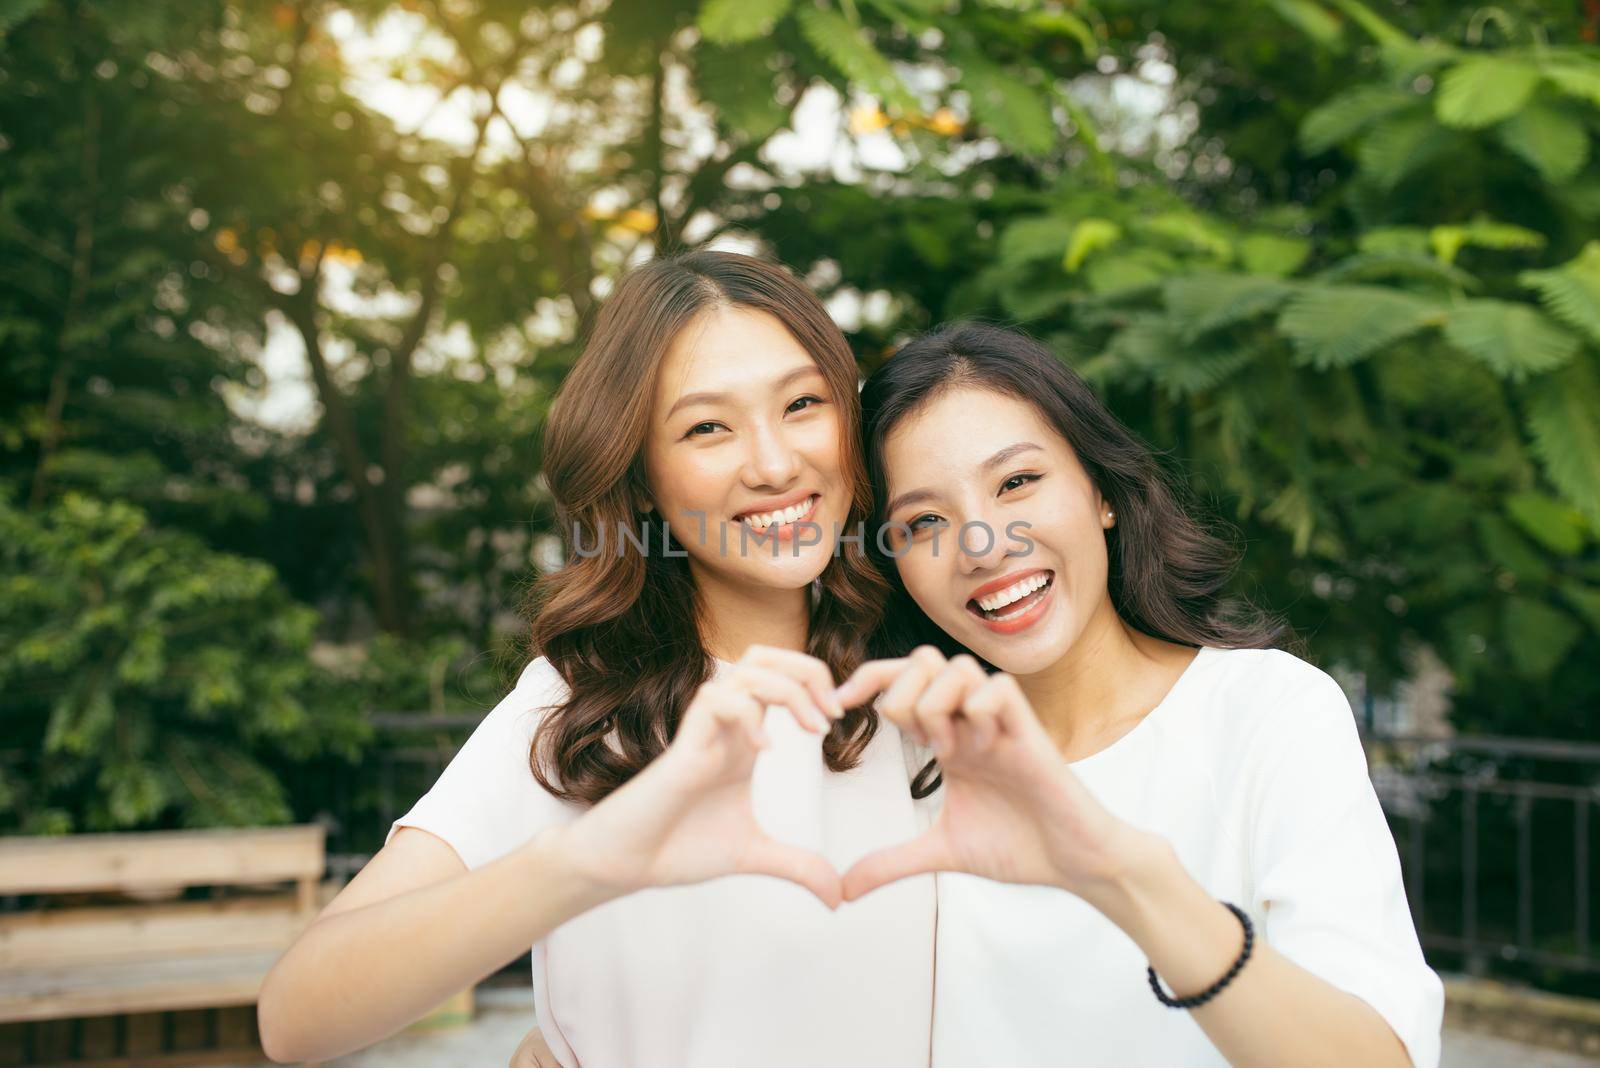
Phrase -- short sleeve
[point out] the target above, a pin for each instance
(486, 802)
(1326, 874)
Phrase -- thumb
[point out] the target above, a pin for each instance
(922, 854)
(766, 856)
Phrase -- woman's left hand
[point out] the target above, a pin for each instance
(1013, 810)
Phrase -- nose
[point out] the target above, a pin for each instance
(979, 544)
(772, 459)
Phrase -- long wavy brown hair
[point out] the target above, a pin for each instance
(1167, 566)
(624, 628)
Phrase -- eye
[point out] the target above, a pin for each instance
(924, 522)
(800, 404)
(1018, 481)
(701, 429)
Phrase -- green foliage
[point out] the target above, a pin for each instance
(150, 681)
(733, 21)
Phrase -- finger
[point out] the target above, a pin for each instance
(774, 688)
(940, 702)
(900, 698)
(869, 679)
(736, 710)
(1001, 699)
(805, 669)
(801, 866)
(924, 853)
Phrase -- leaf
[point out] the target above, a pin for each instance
(1036, 237)
(1347, 114)
(1312, 20)
(1386, 35)
(843, 46)
(1554, 524)
(1126, 272)
(1566, 434)
(738, 84)
(733, 21)
(1193, 231)
(1273, 254)
(1201, 303)
(1334, 326)
(1011, 110)
(1151, 348)
(1581, 80)
(1064, 24)
(1571, 292)
(1401, 145)
(1550, 139)
(1482, 90)
(1586, 601)
(1537, 636)
(1512, 340)
(14, 13)
(1482, 233)
(1397, 266)
(1089, 236)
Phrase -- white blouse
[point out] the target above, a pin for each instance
(737, 971)
(1252, 768)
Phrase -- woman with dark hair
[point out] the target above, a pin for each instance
(703, 455)
(1201, 795)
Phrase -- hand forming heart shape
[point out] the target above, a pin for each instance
(1013, 810)
(688, 817)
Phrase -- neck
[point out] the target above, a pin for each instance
(1111, 674)
(735, 616)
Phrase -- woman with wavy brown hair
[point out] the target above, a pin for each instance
(677, 724)
(1154, 831)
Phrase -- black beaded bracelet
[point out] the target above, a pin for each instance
(1196, 1000)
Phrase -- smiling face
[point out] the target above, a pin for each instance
(745, 445)
(971, 462)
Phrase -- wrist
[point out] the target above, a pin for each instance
(559, 851)
(1138, 881)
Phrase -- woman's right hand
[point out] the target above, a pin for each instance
(687, 817)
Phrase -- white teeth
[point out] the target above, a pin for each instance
(1013, 593)
(793, 513)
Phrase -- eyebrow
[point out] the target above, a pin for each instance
(716, 398)
(1003, 456)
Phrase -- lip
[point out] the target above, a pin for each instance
(1005, 580)
(777, 504)
(1027, 619)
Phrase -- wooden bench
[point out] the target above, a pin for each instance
(81, 952)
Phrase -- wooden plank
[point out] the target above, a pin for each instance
(157, 859)
(135, 986)
(63, 937)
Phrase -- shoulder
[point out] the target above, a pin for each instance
(539, 690)
(1265, 702)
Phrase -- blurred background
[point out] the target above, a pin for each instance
(286, 288)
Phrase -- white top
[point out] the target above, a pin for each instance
(741, 970)
(1251, 767)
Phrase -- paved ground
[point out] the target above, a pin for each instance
(504, 1016)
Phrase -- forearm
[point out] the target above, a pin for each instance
(1274, 1012)
(355, 977)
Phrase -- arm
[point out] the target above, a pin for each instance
(353, 977)
(1015, 812)
(416, 925)
(1274, 1012)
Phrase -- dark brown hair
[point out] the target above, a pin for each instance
(623, 628)
(1166, 569)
